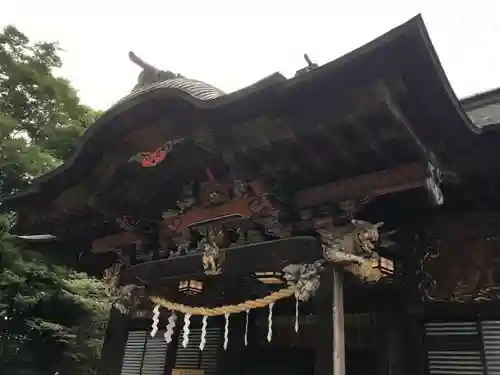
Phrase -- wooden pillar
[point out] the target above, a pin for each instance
(113, 348)
(389, 329)
(338, 322)
(413, 315)
(416, 354)
(330, 349)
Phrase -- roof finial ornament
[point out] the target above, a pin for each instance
(309, 63)
(149, 74)
(310, 66)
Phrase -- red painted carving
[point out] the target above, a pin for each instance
(151, 159)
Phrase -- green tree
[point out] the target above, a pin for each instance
(51, 317)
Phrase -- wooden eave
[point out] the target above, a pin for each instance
(384, 105)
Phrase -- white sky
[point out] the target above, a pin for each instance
(231, 44)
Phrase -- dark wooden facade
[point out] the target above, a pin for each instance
(376, 135)
(374, 344)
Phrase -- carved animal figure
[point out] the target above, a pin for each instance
(356, 240)
(211, 252)
(110, 278)
(241, 188)
(149, 74)
(305, 278)
(210, 255)
(130, 298)
(111, 274)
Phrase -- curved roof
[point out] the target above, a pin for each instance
(484, 108)
(403, 60)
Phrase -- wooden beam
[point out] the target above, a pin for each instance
(398, 114)
(101, 245)
(370, 185)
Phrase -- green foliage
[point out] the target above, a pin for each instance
(51, 317)
(41, 116)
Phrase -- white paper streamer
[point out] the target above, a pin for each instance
(226, 331)
(170, 327)
(185, 335)
(203, 332)
(270, 322)
(296, 314)
(156, 319)
(246, 327)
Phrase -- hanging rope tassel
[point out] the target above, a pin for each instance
(156, 320)
(270, 323)
(296, 314)
(185, 336)
(226, 331)
(170, 327)
(203, 333)
(246, 327)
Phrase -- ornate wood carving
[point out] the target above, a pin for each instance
(214, 224)
(216, 205)
(353, 247)
(350, 247)
(460, 258)
(231, 211)
(112, 274)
